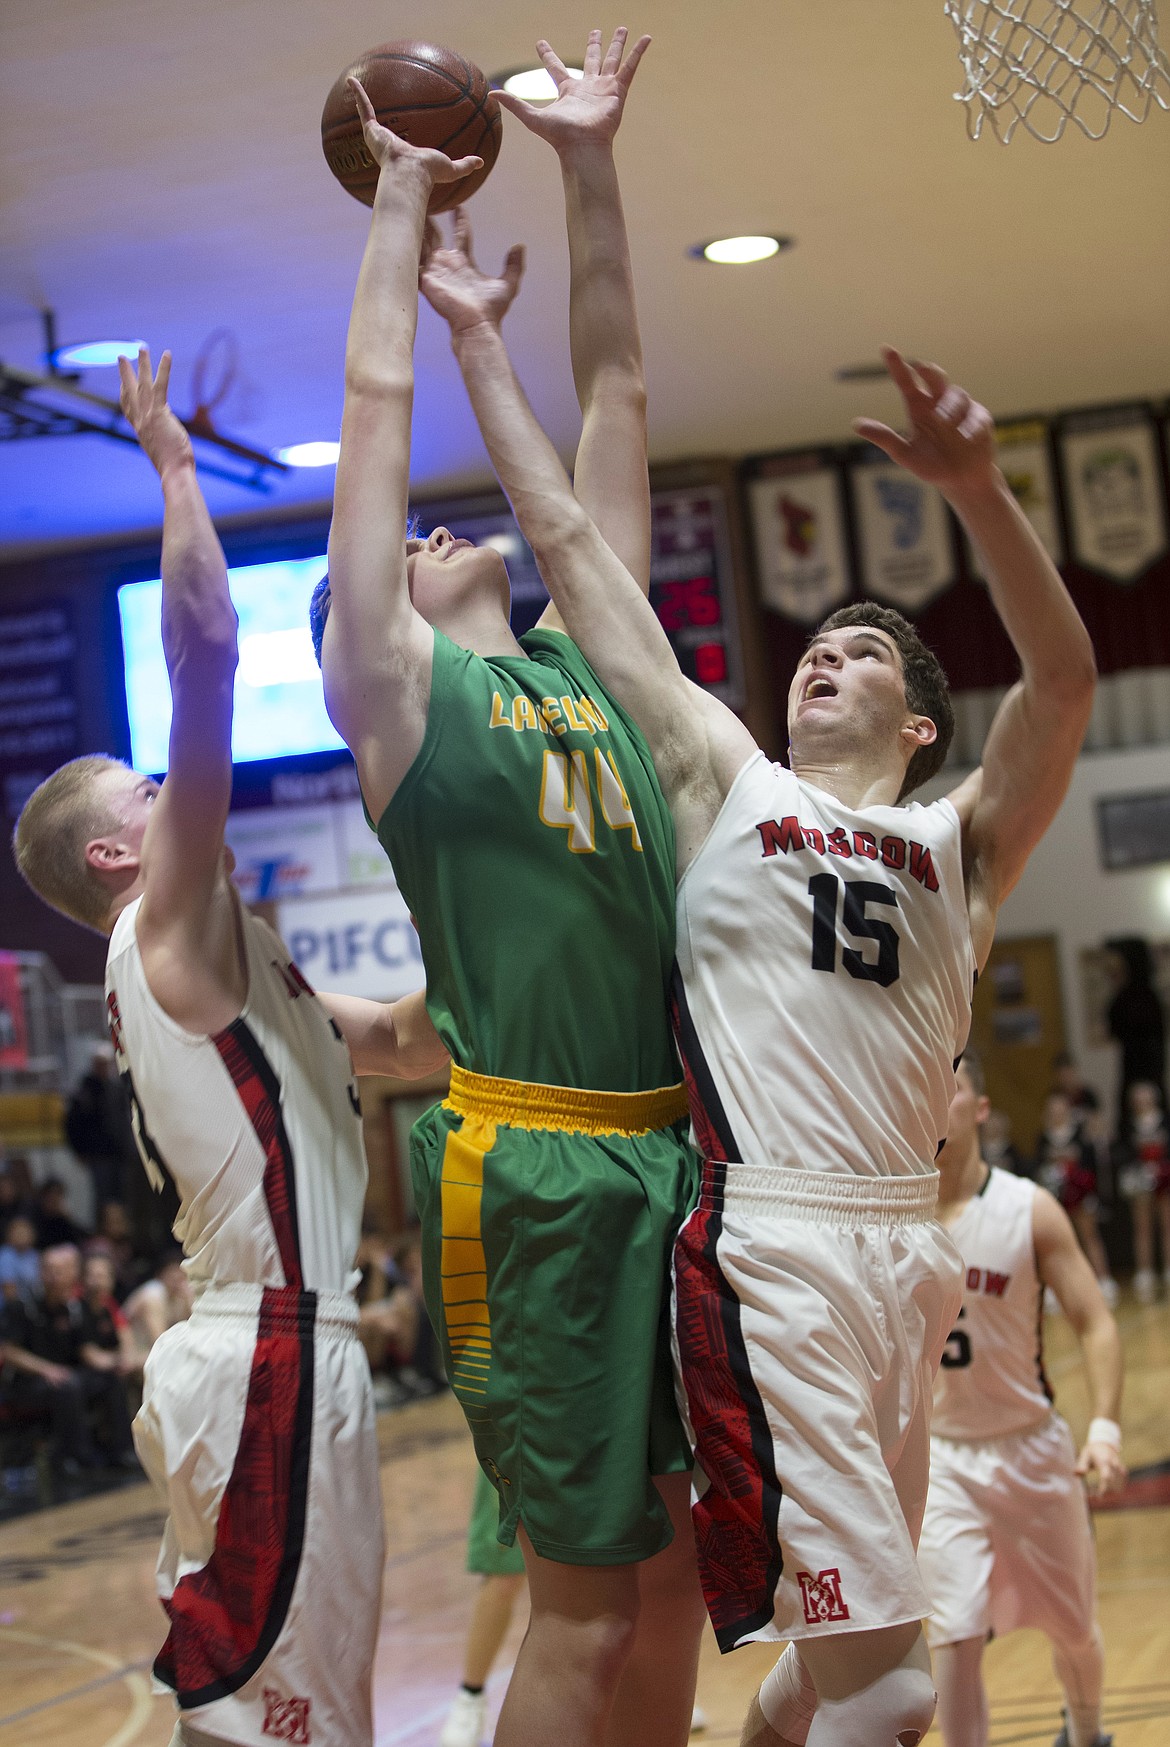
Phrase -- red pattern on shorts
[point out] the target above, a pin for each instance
(225, 1617)
(735, 1520)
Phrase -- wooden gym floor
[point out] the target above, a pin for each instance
(79, 1622)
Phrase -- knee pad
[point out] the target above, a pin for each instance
(788, 1698)
(895, 1710)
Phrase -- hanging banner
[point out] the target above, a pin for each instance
(798, 519)
(356, 943)
(907, 557)
(1026, 460)
(13, 1030)
(1112, 483)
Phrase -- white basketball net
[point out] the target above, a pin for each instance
(1044, 63)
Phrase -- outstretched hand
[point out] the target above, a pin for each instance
(951, 438)
(390, 152)
(454, 285)
(144, 405)
(586, 110)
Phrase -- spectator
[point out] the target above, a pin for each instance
(387, 1319)
(43, 1338)
(97, 1127)
(1145, 1183)
(1066, 1165)
(1137, 1021)
(424, 1373)
(53, 1222)
(16, 1190)
(113, 1240)
(995, 1143)
(107, 1342)
(20, 1264)
(1067, 1078)
(160, 1302)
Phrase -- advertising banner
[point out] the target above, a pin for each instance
(357, 943)
(283, 851)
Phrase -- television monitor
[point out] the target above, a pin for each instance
(279, 704)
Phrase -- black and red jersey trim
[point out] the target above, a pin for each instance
(713, 1135)
(736, 1521)
(226, 1617)
(259, 1092)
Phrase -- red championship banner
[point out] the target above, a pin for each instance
(13, 1031)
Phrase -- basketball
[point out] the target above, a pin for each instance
(428, 95)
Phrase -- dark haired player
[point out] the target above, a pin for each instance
(528, 832)
(828, 939)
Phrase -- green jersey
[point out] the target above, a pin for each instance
(534, 847)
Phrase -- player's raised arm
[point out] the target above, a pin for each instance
(1062, 1265)
(610, 476)
(182, 851)
(376, 651)
(388, 1037)
(1033, 743)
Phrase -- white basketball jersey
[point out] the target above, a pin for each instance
(991, 1381)
(258, 1125)
(826, 969)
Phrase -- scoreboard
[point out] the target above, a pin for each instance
(691, 585)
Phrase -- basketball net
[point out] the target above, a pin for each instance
(1040, 64)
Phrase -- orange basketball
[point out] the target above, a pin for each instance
(428, 95)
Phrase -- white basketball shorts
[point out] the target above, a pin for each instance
(257, 1423)
(810, 1315)
(1007, 1539)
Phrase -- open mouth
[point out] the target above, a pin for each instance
(819, 687)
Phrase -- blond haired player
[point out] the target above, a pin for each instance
(1006, 1541)
(828, 938)
(257, 1418)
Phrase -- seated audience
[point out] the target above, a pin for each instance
(54, 1223)
(107, 1340)
(160, 1302)
(20, 1262)
(41, 1341)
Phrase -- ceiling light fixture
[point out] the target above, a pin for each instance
(740, 251)
(309, 454)
(533, 84)
(94, 354)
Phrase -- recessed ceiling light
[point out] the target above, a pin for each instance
(309, 454)
(739, 251)
(96, 353)
(533, 84)
(863, 373)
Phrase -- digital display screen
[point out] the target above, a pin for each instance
(279, 704)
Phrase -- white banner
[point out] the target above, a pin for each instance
(906, 553)
(1114, 491)
(798, 521)
(356, 943)
(1026, 460)
(280, 851)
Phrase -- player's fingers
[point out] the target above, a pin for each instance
(592, 62)
(953, 406)
(514, 269)
(526, 112)
(364, 107)
(613, 54)
(935, 379)
(552, 63)
(901, 375)
(126, 374)
(977, 421)
(455, 170)
(461, 227)
(630, 66)
(891, 444)
(162, 380)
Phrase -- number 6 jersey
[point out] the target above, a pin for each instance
(825, 979)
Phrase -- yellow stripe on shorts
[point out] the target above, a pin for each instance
(463, 1267)
(519, 1104)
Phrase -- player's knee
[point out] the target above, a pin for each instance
(895, 1710)
(788, 1698)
